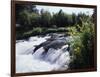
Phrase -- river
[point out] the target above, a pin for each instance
(54, 60)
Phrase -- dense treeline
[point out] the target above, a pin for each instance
(28, 16)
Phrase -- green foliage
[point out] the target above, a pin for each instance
(72, 31)
(34, 18)
(83, 46)
(38, 31)
(45, 20)
(24, 18)
(29, 17)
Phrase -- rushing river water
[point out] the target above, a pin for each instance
(54, 60)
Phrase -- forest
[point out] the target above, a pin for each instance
(31, 22)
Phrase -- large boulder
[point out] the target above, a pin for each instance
(51, 43)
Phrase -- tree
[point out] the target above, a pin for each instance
(35, 20)
(94, 15)
(60, 19)
(29, 8)
(45, 19)
(74, 19)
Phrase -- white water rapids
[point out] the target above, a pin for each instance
(54, 60)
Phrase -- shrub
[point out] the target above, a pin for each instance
(83, 47)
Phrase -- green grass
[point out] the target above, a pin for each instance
(40, 31)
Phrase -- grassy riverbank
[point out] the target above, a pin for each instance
(40, 31)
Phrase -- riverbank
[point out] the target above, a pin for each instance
(40, 31)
